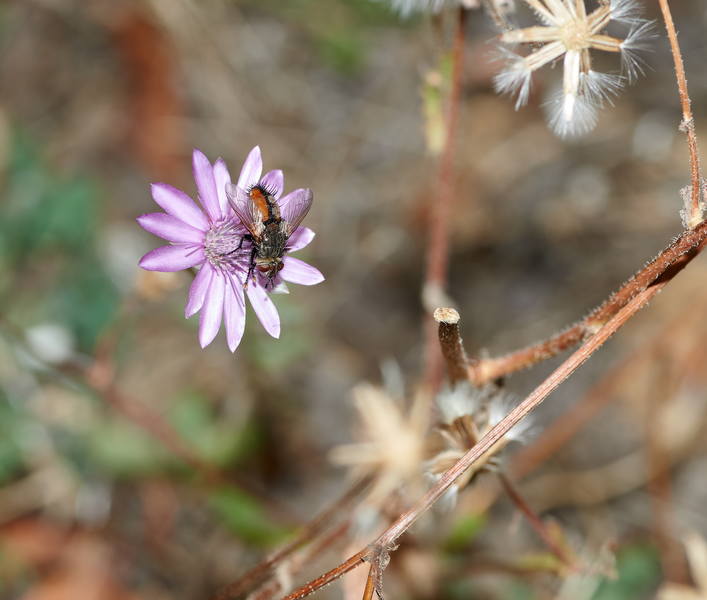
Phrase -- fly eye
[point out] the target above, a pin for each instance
(280, 266)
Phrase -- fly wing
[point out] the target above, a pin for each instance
(244, 207)
(296, 209)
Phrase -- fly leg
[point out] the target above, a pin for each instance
(251, 263)
(251, 268)
(248, 237)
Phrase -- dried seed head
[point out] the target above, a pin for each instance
(467, 415)
(569, 32)
(392, 441)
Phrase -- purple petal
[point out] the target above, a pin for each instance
(274, 181)
(234, 314)
(300, 238)
(172, 258)
(264, 309)
(252, 168)
(212, 311)
(298, 271)
(221, 177)
(176, 203)
(170, 228)
(198, 289)
(279, 287)
(206, 184)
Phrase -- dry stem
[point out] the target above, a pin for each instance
(536, 523)
(688, 122)
(687, 243)
(349, 564)
(370, 588)
(450, 342)
(566, 426)
(442, 196)
(308, 532)
(269, 589)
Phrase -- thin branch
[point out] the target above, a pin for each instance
(348, 565)
(688, 121)
(269, 589)
(451, 344)
(312, 529)
(566, 426)
(659, 485)
(370, 588)
(537, 523)
(440, 209)
(689, 241)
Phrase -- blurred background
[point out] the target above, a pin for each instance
(134, 465)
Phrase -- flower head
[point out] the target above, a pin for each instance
(213, 239)
(392, 442)
(467, 414)
(568, 30)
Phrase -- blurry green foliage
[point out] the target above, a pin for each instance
(341, 33)
(219, 442)
(270, 355)
(638, 574)
(48, 233)
(467, 589)
(86, 301)
(464, 530)
(43, 211)
(343, 51)
(246, 518)
(122, 449)
(10, 452)
(519, 590)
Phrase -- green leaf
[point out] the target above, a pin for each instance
(11, 425)
(217, 441)
(86, 300)
(246, 518)
(464, 531)
(638, 574)
(123, 449)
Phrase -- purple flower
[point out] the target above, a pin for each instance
(211, 237)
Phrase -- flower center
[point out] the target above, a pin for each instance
(224, 246)
(575, 34)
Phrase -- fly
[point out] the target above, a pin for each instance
(269, 225)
